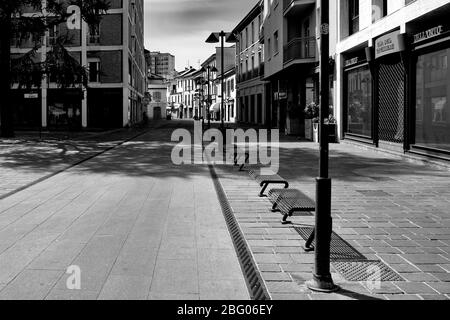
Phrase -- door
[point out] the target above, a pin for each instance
(391, 102)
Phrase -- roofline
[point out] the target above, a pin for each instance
(250, 16)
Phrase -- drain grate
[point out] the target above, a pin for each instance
(254, 282)
(366, 271)
(340, 249)
(374, 193)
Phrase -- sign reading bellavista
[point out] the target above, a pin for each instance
(388, 44)
(428, 34)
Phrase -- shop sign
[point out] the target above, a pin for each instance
(428, 34)
(280, 95)
(31, 95)
(351, 62)
(388, 44)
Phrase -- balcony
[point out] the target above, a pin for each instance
(295, 7)
(300, 49)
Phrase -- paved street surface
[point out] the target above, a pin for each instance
(139, 227)
(31, 157)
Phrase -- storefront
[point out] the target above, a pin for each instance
(375, 89)
(64, 109)
(429, 119)
(358, 97)
(27, 108)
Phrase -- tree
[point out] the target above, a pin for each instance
(27, 71)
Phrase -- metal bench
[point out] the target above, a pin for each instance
(235, 151)
(265, 180)
(289, 201)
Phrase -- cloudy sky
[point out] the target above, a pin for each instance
(182, 26)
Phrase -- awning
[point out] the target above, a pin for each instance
(215, 107)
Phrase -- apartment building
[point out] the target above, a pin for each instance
(251, 93)
(112, 51)
(291, 44)
(393, 78)
(162, 64)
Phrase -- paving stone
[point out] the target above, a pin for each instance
(415, 288)
(441, 287)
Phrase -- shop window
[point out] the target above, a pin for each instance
(359, 102)
(432, 100)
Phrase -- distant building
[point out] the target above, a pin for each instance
(157, 89)
(113, 51)
(182, 94)
(162, 64)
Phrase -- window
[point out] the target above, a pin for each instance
(157, 96)
(53, 35)
(246, 38)
(432, 100)
(253, 32)
(379, 9)
(94, 34)
(253, 67)
(275, 42)
(94, 70)
(359, 102)
(354, 16)
(269, 48)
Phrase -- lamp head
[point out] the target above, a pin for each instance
(213, 38)
(231, 38)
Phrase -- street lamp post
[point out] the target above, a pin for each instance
(322, 280)
(229, 38)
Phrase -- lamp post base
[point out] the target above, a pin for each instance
(322, 284)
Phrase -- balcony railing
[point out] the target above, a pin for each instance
(300, 48)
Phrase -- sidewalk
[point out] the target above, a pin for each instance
(387, 209)
(137, 226)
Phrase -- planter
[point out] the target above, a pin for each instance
(315, 132)
(332, 133)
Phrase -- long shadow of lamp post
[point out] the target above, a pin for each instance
(322, 280)
(222, 37)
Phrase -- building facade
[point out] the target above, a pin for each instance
(393, 75)
(158, 106)
(251, 106)
(291, 45)
(182, 94)
(162, 64)
(112, 51)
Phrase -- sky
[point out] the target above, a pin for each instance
(181, 27)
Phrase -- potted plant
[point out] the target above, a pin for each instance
(311, 121)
